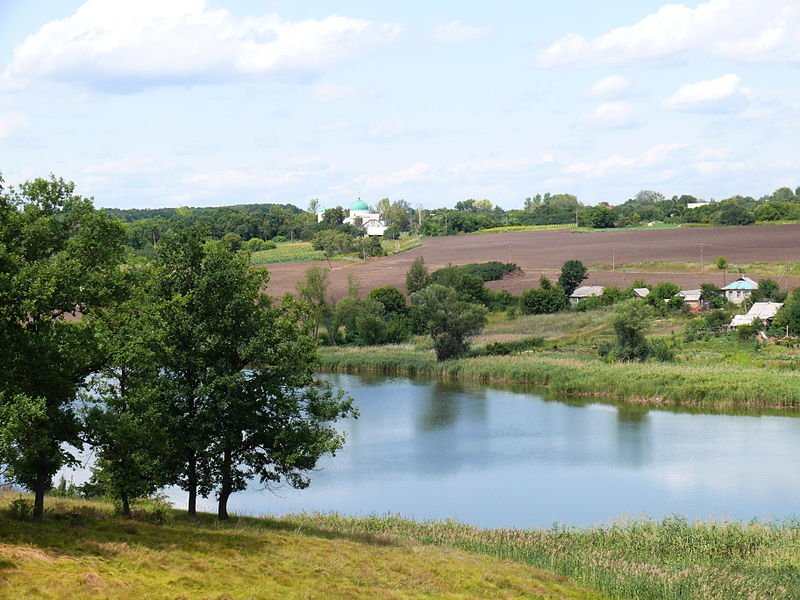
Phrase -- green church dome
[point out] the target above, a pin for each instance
(359, 205)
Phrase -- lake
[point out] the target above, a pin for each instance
(515, 458)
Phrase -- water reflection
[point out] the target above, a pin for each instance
(513, 457)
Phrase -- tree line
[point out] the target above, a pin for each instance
(286, 222)
(175, 369)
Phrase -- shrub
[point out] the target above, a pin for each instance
(660, 350)
(20, 509)
(258, 245)
(280, 239)
(512, 347)
(392, 299)
(543, 300)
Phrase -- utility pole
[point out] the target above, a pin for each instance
(701, 257)
(613, 257)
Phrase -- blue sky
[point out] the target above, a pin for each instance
(190, 102)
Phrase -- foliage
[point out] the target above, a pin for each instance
(721, 262)
(486, 271)
(506, 348)
(573, 273)
(57, 254)
(313, 290)
(417, 276)
(392, 299)
(543, 300)
(630, 322)
(238, 380)
(449, 321)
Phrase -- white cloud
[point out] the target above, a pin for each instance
(130, 45)
(414, 173)
(387, 131)
(742, 30)
(609, 87)
(11, 123)
(653, 157)
(328, 91)
(723, 94)
(456, 31)
(611, 114)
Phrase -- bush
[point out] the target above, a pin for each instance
(333, 242)
(392, 299)
(20, 509)
(660, 350)
(280, 239)
(591, 303)
(258, 245)
(512, 347)
(543, 300)
(488, 271)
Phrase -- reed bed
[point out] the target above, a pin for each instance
(668, 560)
(721, 387)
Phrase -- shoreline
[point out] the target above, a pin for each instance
(655, 385)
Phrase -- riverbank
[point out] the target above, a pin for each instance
(82, 550)
(704, 386)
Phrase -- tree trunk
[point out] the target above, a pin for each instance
(40, 487)
(192, 487)
(126, 505)
(225, 487)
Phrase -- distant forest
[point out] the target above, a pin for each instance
(283, 222)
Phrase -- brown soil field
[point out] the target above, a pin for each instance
(538, 252)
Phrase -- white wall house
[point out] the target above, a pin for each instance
(739, 290)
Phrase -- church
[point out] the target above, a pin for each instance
(360, 216)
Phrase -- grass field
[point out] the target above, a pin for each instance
(304, 252)
(777, 269)
(720, 374)
(82, 551)
(645, 560)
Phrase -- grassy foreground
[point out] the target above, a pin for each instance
(82, 551)
(670, 560)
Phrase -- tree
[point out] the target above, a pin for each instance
(448, 320)
(57, 256)
(246, 404)
(417, 276)
(545, 299)
(630, 322)
(573, 273)
(124, 422)
(391, 298)
(313, 289)
(769, 289)
(721, 262)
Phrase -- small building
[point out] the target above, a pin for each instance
(739, 290)
(762, 311)
(585, 291)
(641, 292)
(693, 299)
(360, 216)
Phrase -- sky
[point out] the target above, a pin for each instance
(158, 103)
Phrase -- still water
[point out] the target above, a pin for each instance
(495, 457)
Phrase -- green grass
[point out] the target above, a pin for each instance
(670, 560)
(401, 245)
(82, 551)
(510, 228)
(304, 252)
(287, 252)
(708, 387)
(777, 269)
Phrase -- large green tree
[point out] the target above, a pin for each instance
(58, 258)
(449, 321)
(573, 273)
(240, 375)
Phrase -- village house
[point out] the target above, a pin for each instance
(585, 291)
(693, 299)
(739, 290)
(762, 311)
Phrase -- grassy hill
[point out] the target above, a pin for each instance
(82, 551)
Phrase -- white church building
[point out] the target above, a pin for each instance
(360, 216)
